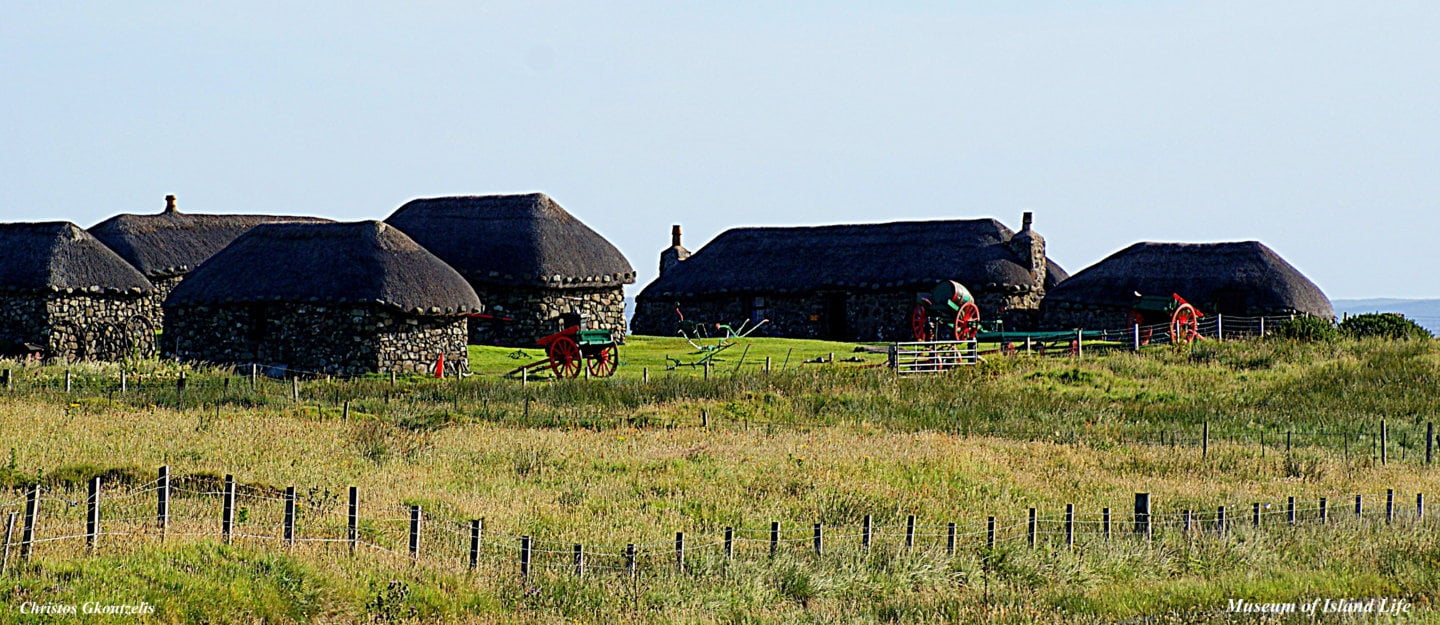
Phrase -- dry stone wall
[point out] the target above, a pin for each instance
(535, 313)
(314, 339)
(71, 327)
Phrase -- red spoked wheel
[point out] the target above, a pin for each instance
(1184, 324)
(603, 362)
(967, 321)
(565, 357)
(920, 321)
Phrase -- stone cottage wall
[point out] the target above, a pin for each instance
(535, 312)
(314, 339)
(80, 326)
(870, 316)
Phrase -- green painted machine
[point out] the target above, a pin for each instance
(947, 312)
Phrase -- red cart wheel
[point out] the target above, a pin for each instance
(602, 363)
(1184, 324)
(920, 321)
(966, 321)
(565, 357)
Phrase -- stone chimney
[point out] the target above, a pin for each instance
(1029, 246)
(170, 205)
(674, 254)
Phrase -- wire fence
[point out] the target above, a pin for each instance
(55, 524)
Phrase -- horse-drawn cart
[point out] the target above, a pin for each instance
(570, 349)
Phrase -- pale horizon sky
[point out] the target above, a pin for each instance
(1309, 126)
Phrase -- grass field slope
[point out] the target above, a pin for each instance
(901, 477)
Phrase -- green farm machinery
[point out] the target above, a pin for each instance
(947, 312)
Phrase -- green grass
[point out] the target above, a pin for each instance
(609, 462)
(674, 356)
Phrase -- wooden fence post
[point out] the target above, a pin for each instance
(680, 552)
(1105, 518)
(415, 520)
(579, 558)
(774, 538)
(1220, 520)
(767, 365)
(227, 510)
(1384, 441)
(9, 540)
(67, 381)
(477, 526)
(1188, 521)
(819, 539)
(352, 519)
(729, 543)
(1030, 529)
(909, 532)
(1290, 510)
(1069, 525)
(5, 379)
(1357, 507)
(32, 511)
(1142, 514)
(124, 382)
(1324, 512)
(525, 557)
(1389, 505)
(1255, 515)
(254, 375)
(990, 533)
(1419, 506)
(630, 560)
(645, 375)
(92, 515)
(1205, 440)
(289, 527)
(866, 531)
(1429, 441)
(295, 389)
(162, 502)
(950, 539)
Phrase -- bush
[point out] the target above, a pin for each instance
(1308, 329)
(1383, 325)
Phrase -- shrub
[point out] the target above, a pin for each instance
(1308, 329)
(1383, 325)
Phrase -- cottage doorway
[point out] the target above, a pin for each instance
(835, 324)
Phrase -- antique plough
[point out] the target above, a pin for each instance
(707, 353)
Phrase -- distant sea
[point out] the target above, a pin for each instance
(1425, 312)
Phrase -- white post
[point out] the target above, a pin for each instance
(1219, 327)
(1079, 343)
(1137, 337)
(1262, 326)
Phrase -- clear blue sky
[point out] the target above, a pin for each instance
(1311, 126)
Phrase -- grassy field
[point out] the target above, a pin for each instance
(610, 462)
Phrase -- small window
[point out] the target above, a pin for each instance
(759, 309)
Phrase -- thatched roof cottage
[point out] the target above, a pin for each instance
(528, 259)
(847, 282)
(331, 298)
(65, 296)
(1241, 278)
(168, 245)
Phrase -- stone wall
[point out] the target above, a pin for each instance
(163, 287)
(871, 316)
(535, 313)
(314, 339)
(79, 326)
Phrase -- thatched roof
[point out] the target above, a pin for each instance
(364, 262)
(513, 240)
(1229, 278)
(173, 243)
(59, 256)
(909, 254)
